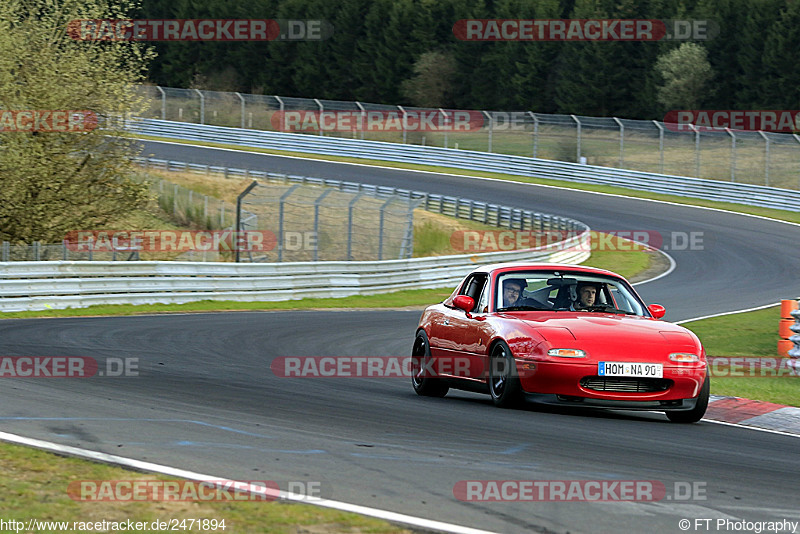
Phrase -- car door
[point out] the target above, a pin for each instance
(469, 332)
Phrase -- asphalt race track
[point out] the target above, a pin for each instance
(206, 399)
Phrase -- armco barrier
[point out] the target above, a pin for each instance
(58, 285)
(754, 195)
(795, 352)
(785, 326)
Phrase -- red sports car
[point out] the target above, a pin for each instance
(559, 334)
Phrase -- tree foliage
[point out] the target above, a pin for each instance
(55, 182)
(377, 43)
(686, 73)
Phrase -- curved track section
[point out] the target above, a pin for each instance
(741, 261)
(206, 399)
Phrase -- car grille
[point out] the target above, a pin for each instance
(625, 384)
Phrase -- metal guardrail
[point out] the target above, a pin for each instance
(795, 352)
(754, 195)
(58, 285)
(749, 156)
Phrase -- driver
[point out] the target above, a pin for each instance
(512, 292)
(587, 295)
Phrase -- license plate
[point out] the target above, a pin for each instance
(650, 370)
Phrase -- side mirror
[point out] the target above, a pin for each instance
(657, 310)
(463, 302)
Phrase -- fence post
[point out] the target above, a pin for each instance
(733, 154)
(321, 109)
(281, 202)
(797, 138)
(175, 199)
(241, 98)
(578, 136)
(364, 120)
(380, 228)
(236, 241)
(317, 203)
(281, 109)
(202, 106)
(660, 146)
(444, 114)
(696, 151)
(491, 128)
(350, 226)
(405, 133)
(163, 103)
(6, 250)
(535, 132)
(621, 143)
(766, 157)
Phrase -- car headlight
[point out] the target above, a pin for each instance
(567, 353)
(684, 357)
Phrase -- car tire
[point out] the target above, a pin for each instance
(504, 383)
(425, 386)
(696, 413)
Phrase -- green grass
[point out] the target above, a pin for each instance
(34, 485)
(781, 215)
(751, 334)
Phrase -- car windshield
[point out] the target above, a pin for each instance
(566, 291)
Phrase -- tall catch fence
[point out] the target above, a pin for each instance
(325, 224)
(750, 157)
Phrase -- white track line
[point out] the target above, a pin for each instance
(191, 475)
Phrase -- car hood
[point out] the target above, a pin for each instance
(605, 335)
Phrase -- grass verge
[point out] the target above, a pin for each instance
(754, 335)
(35, 485)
